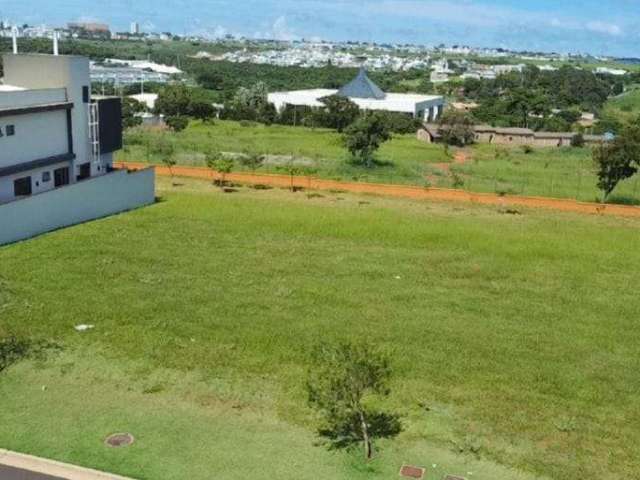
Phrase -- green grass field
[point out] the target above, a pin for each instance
(626, 107)
(561, 173)
(514, 337)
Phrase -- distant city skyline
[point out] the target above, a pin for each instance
(587, 26)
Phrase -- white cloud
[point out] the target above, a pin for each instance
(220, 31)
(281, 30)
(604, 27)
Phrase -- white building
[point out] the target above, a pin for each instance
(368, 96)
(56, 148)
(46, 120)
(611, 71)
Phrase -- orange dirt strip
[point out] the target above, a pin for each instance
(402, 191)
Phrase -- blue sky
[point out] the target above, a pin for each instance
(610, 27)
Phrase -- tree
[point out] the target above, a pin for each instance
(219, 163)
(178, 123)
(174, 100)
(202, 110)
(339, 112)
(365, 136)
(523, 102)
(251, 104)
(130, 107)
(618, 159)
(456, 128)
(339, 383)
(165, 150)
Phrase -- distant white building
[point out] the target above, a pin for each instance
(134, 28)
(368, 96)
(610, 71)
(147, 99)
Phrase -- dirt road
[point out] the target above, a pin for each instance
(401, 191)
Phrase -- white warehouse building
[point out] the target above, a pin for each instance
(52, 133)
(368, 96)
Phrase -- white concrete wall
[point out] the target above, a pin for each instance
(38, 135)
(98, 197)
(28, 98)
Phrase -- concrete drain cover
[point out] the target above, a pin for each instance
(119, 440)
(409, 471)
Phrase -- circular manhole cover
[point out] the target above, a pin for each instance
(119, 440)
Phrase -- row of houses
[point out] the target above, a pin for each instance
(430, 133)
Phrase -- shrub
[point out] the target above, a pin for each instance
(577, 141)
(527, 149)
(178, 123)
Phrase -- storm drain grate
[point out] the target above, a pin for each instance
(119, 440)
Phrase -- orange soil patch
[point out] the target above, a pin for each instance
(400, 191)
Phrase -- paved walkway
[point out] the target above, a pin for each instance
(402, 191)
(17, 466)
(10, 473)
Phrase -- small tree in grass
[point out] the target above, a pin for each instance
(617, 160)
(340, 381)
(365, 136)
(219, 163)
(164, 148)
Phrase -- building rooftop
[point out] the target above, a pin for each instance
(362, 87)
(398, 102)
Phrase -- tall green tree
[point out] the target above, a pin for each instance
(338, 112)
(202, 110)
(456, 128)
(341, 380)
(131, 107)
(365, 136)
(174, 101)
(251, 103)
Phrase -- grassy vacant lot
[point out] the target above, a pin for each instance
(514, 337)
(626, 107)
(563, 173)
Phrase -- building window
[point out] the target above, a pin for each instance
(85, 94)
(46, 177)
(84, 171)
(11, 130)
(22, 187)
(61, 177)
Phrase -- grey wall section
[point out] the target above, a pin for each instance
(97, 197)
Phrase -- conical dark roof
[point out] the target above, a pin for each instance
(362, 87)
